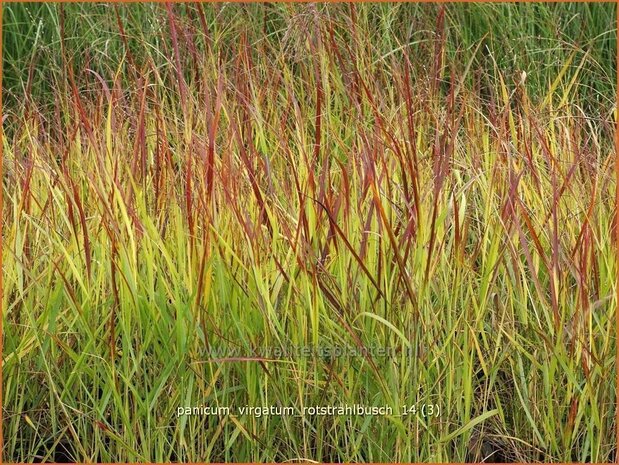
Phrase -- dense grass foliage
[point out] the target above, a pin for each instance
(539, 39)
(191, 191)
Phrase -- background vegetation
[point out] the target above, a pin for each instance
(186, 186)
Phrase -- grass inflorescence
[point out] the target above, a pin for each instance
(204, 203)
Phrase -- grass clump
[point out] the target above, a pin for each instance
(194, 192)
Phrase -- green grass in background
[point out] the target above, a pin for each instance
(539, 38)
